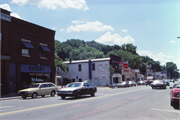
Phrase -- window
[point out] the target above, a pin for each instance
(26, 46)
(25, 51)
(44, 50)
(43, 54)
(93, 66)
(79, 67)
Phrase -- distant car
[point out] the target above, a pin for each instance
(77, 89)
(123, 84)
(141, 83)
(132, 83)
(175, 94)
(158, 84)
(167, 82)
(39, 89)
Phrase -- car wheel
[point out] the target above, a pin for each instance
(24, 97)
(93, 93)
(34, 95)
(52, 94)
(42, 95)
(63, 97)
(152, 87)
(78, 95)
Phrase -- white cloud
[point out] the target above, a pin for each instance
(54, 4)
(173, 41)
(111, 39)
(89, 26)
(78, 21)
(124, 30)
(5, 6)
(161, 57)
(62, 30)
(15, 15)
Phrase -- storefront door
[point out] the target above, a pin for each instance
(12, 84)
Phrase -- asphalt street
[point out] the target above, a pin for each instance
(133, 103)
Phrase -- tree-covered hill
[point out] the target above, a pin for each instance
(79, 50)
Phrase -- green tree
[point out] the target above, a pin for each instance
(171, 68)
(59, 63)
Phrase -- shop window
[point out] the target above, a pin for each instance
(47, 77)
(93, 66)
(73, 80)
(79, 68)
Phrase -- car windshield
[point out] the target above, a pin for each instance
(74, 85)
(123, 82)
(157, 81)
(34, 86)
(177, 86)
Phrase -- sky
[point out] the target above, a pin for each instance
(151, 25)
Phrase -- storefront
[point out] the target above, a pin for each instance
(34, 73)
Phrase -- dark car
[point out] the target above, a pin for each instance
(123, 84)
(175, 94)
(132, 83)
(158, 84)
(141, 83)
(77, 89)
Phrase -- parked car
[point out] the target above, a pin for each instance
(77, 89)
(158, 84)
(123, 84)
(132, 83)
(141, 83)
(39, 89)
(175, 94)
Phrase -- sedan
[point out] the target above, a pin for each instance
(141, 83)
(123, 84)
(175, 94)
(132, 83)
(77, 89)
(159, 84)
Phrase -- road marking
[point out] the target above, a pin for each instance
(35, 108)
(166, 110)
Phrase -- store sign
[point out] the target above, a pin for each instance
(35, 68)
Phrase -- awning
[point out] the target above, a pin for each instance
(45, 48)
(28, 45)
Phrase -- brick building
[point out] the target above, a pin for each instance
(27, 53)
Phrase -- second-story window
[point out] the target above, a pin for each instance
(26, 47)
(79, 67)
(44, 50)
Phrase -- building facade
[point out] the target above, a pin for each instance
(95, 70)
(27, 53)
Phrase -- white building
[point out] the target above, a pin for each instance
(95, 70)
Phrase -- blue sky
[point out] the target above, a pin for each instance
(151, 25)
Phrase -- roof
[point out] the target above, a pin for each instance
(92, 60)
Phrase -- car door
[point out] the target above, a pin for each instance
(91, 87)
(84, 89)
(42, 90)
(47, 89)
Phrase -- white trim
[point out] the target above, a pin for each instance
(43, 44)
(26, 55)
(24, 40)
